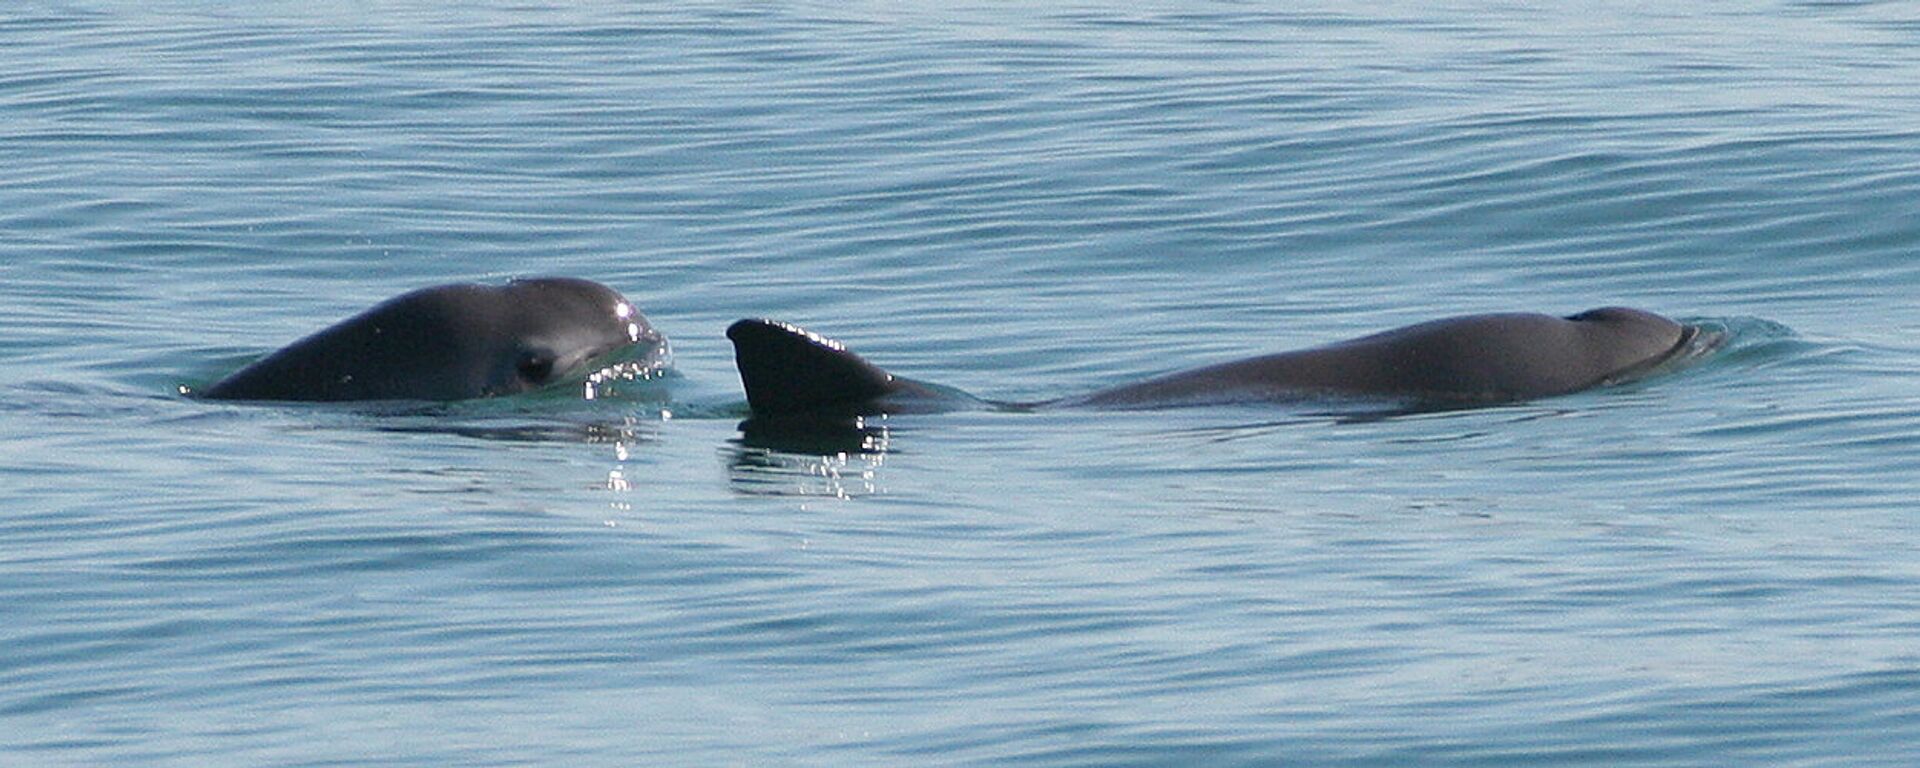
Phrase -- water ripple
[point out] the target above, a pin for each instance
(1710, 565)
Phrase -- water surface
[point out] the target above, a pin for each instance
(1024, 200)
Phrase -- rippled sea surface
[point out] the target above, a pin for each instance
(1026, 200)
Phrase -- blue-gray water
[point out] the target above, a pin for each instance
(1027, 200)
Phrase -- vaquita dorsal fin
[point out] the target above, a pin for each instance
(788, 370)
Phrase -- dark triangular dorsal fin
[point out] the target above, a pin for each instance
(789, 370)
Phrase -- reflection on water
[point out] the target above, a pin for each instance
(623, 433)
(821, 458)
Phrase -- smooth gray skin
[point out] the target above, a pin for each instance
(1475, 358)
(1462, 360)
(450, 342)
